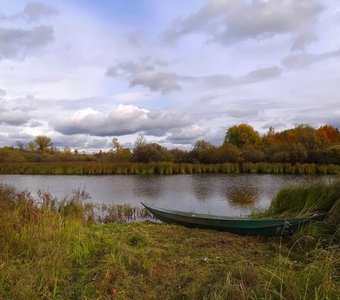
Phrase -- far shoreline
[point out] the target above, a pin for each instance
(164, 168)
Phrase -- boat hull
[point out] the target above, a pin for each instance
(244, 226)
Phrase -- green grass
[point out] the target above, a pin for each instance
(307, 199)
(303, 200)
(107, 168)
(52, 249)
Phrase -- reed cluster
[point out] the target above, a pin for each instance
(303, 200)
(167, 168)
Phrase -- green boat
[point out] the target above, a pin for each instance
(244, 226)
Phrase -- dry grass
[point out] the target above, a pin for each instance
(54, 251)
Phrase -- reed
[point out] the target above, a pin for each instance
(122, 213)
(306, 199)
(162, 168)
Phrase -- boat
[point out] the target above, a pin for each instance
(238, 225)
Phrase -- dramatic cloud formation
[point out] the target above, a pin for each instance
(177, 71)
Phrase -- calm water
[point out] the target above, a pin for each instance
(217, 194)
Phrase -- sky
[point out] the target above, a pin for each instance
(83, 71)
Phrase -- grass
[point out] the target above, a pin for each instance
(105, 168)
(52, 249)
(307, 199)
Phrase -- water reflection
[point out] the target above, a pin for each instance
(222, 194)
(203, 186)
(242, 196)
(147, 186)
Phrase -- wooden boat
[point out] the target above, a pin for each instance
(245, 226)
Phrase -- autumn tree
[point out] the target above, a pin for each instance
(204, 152)
(120, 153)
(228, 153)
(242, 135)
(333, 154)
(328, 134)
(250, 154)
(31, 146)
(43, 143)
(147, 152)
(178, 155)
(116, 145)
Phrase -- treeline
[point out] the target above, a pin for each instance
(302, 144)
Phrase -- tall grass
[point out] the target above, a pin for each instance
(51, 249)
(307, 199)
(96, 168)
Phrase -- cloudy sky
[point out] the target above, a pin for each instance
(85, 71)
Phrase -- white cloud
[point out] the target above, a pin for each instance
(123, 120)
(187, 135)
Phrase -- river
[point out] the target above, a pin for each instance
(234, 195)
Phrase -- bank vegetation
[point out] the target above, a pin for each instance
(300, 150)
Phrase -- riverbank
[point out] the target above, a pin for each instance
(95, 168)
(55, 250)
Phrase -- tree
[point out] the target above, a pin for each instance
(242, 135)
(31, 146)
(328, 134)
(297, 153)
(140, 141)
(333, 154)
(228, 153)
(178, 155)
(307, 136)
(204, 152)
(250, 154)
(43, 143)
(147, 152)
(116, 145)
(120, 154)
